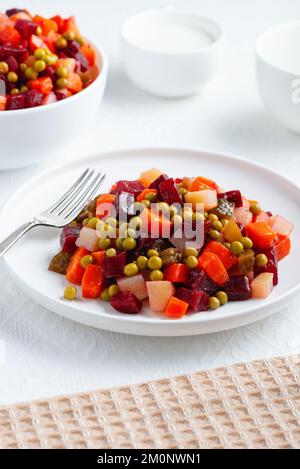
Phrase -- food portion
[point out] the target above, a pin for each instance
(42, 60)
(183, 245)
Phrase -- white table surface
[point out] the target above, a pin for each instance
(47, 355)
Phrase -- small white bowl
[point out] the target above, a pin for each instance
(30, 136)
(167, 69)
(278, 72)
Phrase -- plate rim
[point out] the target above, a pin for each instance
(209, 321)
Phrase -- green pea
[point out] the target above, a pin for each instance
(85, 221)
(111, 252)
(164, 207)
(40, 53)
(39, 31)
(135, 223)
(86, 260)
(187, 214)
(92, 223)
(214, 302)
(70, 293)
(261, 260)
(156, 275)
(214, 234)
(142, 262)
(108, 231)
(183, 191)
(191, 262)
(61, 83)
(146, 202)
(130, 233)
(119, 243)
(111, 221)
(154, 263)
(176, 219)
(104, 296)
(224, 221)
(104, 243)
(205, 215)
(62, 72)
(51, 59)
(61, 43)
(80, 40)
(30, 73)
(15, 91)
(4, 68)
(69, 35)
(190, 252)
(246, 242)
(131, 269)
(255, 208)
(217, 225)
(129, 244)
(113, 290)
(222, 297)
(39, 66)
(227, 245)
(198, 217)
(24, 89)
(12, 77)
(152, 252)
(236, 248)
(151, 196)
(23, 67)
(212, 217)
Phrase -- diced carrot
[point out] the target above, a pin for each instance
(3, 100)
(224, 254)
(176, 308)
(69, 24)
(44, 85)
(74, 270)
(155, 224)
(92, 281)
(104, 205)
(261, 234)
(89, 53)
(282, 246)
(58, 20)
(38, 19)
(98, 257)
(9, 34)
(74, 82)
(213, 267)
(176, 273)
(200, 183)
(49, 26)
(143, 194)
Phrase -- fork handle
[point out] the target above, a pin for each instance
(8, 242)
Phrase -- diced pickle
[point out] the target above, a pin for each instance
(246, 261)
(232, 232)
(171, 256)
(224, 208)
(60, 262)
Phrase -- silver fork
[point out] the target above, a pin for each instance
(64, 210)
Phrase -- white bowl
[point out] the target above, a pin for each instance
(30, 136)
(278, 72)
(174, 72)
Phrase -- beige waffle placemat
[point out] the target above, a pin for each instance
(252, 405)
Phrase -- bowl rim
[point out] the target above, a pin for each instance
(178, 11)
(100, 77)
(260, 37)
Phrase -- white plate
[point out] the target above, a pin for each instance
(29, 259)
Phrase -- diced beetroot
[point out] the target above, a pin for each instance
(197, 299)
(26, 28)
(16, 101)
(13, 11)
(126, 302)
(19, 51)
(33, 98)
(60, 95)
(114, 266)
(151, 243)
(132, 187)
(238, 288)
(232, 196)
(155, 184)
(124, 203)
(49, 72)
(271, 267)
(68, 238)
(198, 280)
(12, 63)
(73, 50)
(169, 192)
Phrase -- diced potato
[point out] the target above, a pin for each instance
(262, 285)
(242, 215)
(281, 225)
(207, 197)
(147, 177)
(88, 239)
(159, 293)
(135, 284)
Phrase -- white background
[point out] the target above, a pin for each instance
(47, 355)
